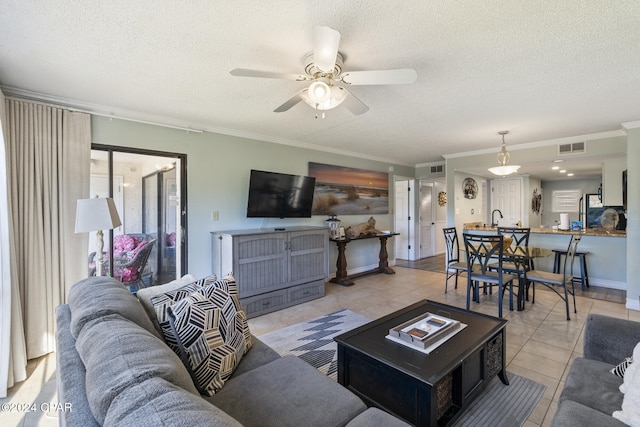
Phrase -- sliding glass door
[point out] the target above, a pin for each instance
(149, 189)
(161, 212)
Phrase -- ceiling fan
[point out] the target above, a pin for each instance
(323, 68)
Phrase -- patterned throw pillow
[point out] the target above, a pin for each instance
(621, 367)
(163, 301)
(212, 333)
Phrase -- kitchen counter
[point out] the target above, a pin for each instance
(587, 232)
(607, 261)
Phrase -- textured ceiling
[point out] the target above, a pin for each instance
(542, 69)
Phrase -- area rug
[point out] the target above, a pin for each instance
(502, 405)
(313, 342)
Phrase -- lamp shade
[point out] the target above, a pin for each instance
(96, 214)
(504, 170)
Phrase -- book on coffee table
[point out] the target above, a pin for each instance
(426, 332)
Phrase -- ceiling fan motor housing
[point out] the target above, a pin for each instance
(312, 71)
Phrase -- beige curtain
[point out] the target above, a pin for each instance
(13, 355)
(48, 156)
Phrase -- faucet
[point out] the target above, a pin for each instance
(493, 223)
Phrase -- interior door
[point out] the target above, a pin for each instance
(402, 219)
(507, 197)
(427, 224)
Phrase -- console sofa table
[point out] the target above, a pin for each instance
(274, 268)
(342, 278)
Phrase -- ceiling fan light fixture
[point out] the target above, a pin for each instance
(338, 95)
(503, 159)
(319, 92)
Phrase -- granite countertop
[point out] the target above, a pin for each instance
(587, 232)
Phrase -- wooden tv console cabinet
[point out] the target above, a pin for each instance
(274, 269)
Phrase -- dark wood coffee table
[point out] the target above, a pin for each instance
(423, 389)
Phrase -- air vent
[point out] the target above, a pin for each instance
(575, 148)
(437, 169)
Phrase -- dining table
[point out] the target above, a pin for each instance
(523, 256)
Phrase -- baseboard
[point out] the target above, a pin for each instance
(633, 304)
(610, 284)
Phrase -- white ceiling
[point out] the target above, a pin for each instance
(543, 69)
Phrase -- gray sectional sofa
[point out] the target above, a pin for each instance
(114, 368)
(591, 392)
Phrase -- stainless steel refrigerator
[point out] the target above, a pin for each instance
(591, 210)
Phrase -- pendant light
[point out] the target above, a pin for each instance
(503, 159)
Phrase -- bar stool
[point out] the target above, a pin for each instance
(584, 275)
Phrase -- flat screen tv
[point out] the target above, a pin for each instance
(278, 195)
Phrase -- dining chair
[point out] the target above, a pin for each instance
(484, 264)
(555, 280)
(453, 265)
(516, 256)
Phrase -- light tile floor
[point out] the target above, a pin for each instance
(541, 343)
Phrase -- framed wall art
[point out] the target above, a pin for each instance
(348, 191)
(442, 199)
(470, 188)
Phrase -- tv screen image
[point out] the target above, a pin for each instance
(278, 195)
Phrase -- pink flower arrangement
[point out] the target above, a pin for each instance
(128, 274)
(170, 239)
(124, 243)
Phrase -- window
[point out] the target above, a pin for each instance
(566, 201)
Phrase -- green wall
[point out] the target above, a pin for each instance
(218, 174)
(550, 218)
(218, 177)
(633, 219)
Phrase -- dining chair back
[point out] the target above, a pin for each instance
(519, 236)
(453, 265)
(558, 280)
(484, 264)
(516, 258)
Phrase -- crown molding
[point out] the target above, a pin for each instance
(537, 144)
(159, 120)
(631, 125)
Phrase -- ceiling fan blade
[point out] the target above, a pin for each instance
(353, 104)
(325, 48)
(290, 102)
(244, 72)
(400, 76)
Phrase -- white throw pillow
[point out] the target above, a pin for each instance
(620, 369)
(630, 413)
(629, 373)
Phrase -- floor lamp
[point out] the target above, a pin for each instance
(96, 215)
